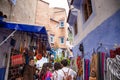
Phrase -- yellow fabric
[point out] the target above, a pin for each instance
(93, 66)
(80, 71)
(92, 78)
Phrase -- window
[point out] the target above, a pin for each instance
(51, 38)
(75, 28)
(61, 23)
(87, 9)
(62, 40)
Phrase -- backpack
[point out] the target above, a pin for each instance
(55, 77)
(66, 76)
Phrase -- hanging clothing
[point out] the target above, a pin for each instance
(86, 69)
(101, 66)
(113, 68)
(93, 66)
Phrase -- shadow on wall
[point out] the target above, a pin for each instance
(107, 33)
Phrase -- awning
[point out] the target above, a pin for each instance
(23, 27)
(27, 28)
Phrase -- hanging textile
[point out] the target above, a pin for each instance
(100, 67)
(17, 60)
(113, 68)
(79, 66)
(112, 54)
(86, 69)
(93, 67)
(103, 65)
(115, 52)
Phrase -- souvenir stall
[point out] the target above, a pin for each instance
(102, 65)
(18, 42)
(101, 48)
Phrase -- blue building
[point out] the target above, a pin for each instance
(93, 22)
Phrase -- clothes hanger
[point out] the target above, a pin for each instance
(101, 48)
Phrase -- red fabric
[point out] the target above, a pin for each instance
(43, 77)
(118, 51)
(112, 54)
(78, 61)
(16, 60)
(103, 61)
(48, 74)
(39, 56)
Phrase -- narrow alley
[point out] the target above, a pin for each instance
(59, 39)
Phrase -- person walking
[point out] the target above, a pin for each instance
(29, 70)
(57, 68)
(45, 73)
(66, 72)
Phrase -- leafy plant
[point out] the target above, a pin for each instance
(59, 59)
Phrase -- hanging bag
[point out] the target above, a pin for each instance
(55, 77)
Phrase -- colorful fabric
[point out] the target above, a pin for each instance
(86, 69)
(112, 54)
(103, 64)
(48, 75)
(98, 67)
(78, 62)
(93, 66)
(92, 78)
(17, 60)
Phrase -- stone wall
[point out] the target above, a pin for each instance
(22, 12)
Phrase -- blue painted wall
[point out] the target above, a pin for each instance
(107, 33)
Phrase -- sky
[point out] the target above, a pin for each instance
(59, 3)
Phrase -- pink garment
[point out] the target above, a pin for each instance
(86, 69)
(48, 74)
(103, 61)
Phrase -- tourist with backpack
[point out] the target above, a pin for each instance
(57, 68)
(66, 72)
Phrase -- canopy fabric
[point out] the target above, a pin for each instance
(23, 27)
(27, 28)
